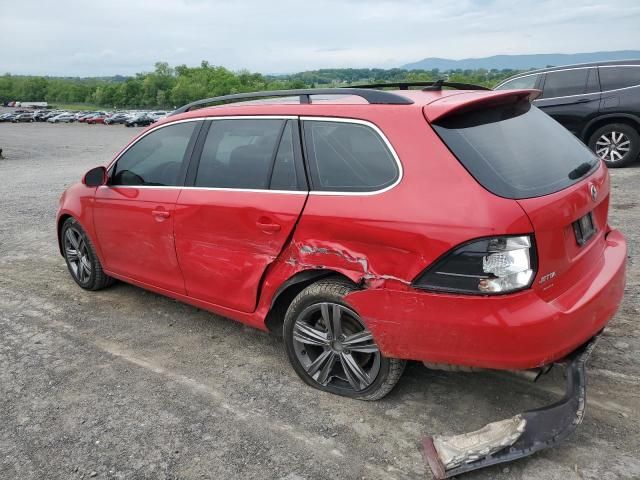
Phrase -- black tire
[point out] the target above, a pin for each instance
(95, 278)
(333, 292)
(630, 139)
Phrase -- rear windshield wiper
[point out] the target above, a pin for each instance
(580, 170)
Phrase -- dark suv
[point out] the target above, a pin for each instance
(598, 102)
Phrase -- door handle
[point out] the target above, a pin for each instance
(267, 226)
(160, 214)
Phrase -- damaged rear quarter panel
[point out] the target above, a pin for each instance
(384, 240)
(387, 239)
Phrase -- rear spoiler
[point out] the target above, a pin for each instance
(475, 100)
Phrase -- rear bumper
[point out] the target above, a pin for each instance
(517, 331)
(519, 436)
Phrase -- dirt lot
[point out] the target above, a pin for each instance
(127, 384)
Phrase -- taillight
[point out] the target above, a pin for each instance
(487, 266)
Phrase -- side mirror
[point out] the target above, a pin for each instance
(95, 177)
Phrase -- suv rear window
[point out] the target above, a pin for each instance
(515, 150)
(612, 78)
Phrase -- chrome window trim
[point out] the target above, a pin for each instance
(196, 119)
(575, 68)
(517, 78)
(384, 138)
(161, 187)
(254, 190)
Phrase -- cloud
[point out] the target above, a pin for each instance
(74, 37)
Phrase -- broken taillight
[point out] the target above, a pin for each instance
(486, 266)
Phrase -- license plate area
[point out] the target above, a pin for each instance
(584, 229)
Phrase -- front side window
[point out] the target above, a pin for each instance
(526, 82)
(239, 153)
(566, 82)
(156, 159)
(612, 78)
(348, 157)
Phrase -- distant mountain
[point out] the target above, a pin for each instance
(521, 62)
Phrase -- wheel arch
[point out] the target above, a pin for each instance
(602, 120)
(290, 288)
(63, 218)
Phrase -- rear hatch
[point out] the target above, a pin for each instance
(516, 151)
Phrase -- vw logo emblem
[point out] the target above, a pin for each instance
(594, 192)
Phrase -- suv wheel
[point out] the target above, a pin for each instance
(617, 144)
(81, 258)
(330, 347)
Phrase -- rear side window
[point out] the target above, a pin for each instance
(566, 82)
(526, 82)
(612, 78)
(156, 159)
(348, 157)
(515, 150)
(239, 153)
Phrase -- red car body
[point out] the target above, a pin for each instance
(96, 119)
(164, 239)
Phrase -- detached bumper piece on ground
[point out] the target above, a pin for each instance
(516, 437)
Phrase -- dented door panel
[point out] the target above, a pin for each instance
(226, 239)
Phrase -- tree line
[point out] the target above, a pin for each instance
(167, 86)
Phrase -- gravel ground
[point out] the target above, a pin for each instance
(124, 383)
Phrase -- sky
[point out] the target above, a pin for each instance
(95, 38)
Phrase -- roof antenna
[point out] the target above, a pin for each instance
(437, 85)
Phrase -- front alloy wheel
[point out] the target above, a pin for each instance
(613, 146)
(617, 144)
(81, 258)
(77, 255)
(330, 347)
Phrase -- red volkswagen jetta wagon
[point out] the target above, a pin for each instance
(369, 226)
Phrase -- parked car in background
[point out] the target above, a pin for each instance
(157, 115)
(82, 118)
(99, 118)
(597, 102)
(7, 117)
(23, 117)
(308, 219)
(139, 120)
(62, 118)
(116, 118)
(46, 116)
(40, 115)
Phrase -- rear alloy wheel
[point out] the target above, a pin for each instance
(81, 258)
(617, 144)
(330, 347)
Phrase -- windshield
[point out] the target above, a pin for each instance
(515, 150)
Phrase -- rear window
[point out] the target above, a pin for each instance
(515, 150)
(612, 78)
(239, 153)
(348, 157)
